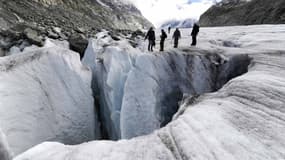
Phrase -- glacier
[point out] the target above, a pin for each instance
(45, 96)
(5, 152)
(232, 108)
(139, 92)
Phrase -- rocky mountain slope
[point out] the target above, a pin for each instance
(75, 21)
(244, 12)
(72, 15)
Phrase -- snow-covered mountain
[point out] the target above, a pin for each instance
(187, 23)
(228, 92)
(244, 12)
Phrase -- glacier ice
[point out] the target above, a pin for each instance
(5, 153)
(45, 96)
(242, 120)
(139, 92)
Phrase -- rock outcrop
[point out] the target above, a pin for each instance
(75, 15)
(29, 22)
(244, 12)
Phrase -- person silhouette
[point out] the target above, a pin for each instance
(163, 36)
(151, 39)
(176, 37)
(194, 34)
(169, 29)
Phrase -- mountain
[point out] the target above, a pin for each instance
(87, 14)
(186, 23)
(244, 12)
(28, 22)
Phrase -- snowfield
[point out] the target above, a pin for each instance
(243, 120)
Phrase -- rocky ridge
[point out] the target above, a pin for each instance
(31, 21)
(244, 12)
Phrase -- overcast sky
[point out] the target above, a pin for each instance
(159, 11)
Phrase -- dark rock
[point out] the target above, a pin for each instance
(115, 36)
(80, 30)
(133, 43)
(2, 53)
(33, 36)
(240, 12)
(56, 30)
(138, 33)
(78, 43)
(52, 35)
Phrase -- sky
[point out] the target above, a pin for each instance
(159, 11)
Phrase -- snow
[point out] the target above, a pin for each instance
(45, 96)
(243, 120)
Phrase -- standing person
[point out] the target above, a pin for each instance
(163, 36)
(151, 39)
(176, 37)
(169, 29)
(194, 34)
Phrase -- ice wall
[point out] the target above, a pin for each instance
(139, 92)
(45, 96)
(243, 120)
(110, 66)
(5, 153)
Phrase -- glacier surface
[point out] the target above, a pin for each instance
(139, 92)
(242, 120)
(45, 96)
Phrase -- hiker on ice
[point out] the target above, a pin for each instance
(194, 34)
(169, 29)
(176, 37)
(151, 39)
(163, 36)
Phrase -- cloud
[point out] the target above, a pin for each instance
(159, 11)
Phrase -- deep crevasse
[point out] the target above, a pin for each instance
(139, 92)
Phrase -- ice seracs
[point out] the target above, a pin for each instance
(45, 96)
(139, 92)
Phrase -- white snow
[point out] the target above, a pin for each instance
(243, 120)
(45, 96)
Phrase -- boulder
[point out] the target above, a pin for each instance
(33, 36)
(78, 43)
